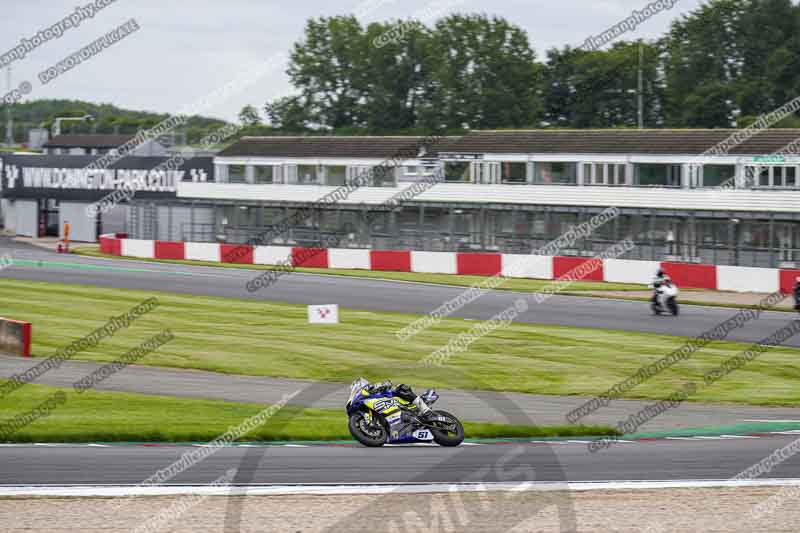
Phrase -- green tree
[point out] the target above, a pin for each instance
(249, 116)
(483, 74)
(328, 68)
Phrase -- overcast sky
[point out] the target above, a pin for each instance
(186, 49)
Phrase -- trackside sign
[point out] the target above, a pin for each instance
(15, 337)
(323, 314)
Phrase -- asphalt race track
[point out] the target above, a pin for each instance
(642, 460)
(648, 460)
(377, 295)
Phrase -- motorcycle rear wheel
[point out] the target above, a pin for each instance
(673, 307)
(376, 439)
(447, 438)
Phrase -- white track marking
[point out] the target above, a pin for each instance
(739, 437)
(679, 438)
(294, 445)
(410, 488)
(776, 421)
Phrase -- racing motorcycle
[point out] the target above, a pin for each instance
(665, 300)
(378, 418)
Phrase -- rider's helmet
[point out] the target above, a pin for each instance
(660, 273)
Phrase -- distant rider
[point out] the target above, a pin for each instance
(403, 391)
(797, 294)
(661, 279)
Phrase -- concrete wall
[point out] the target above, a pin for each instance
(8, 214)
(26, 218)
(82, 228)
(116, 220)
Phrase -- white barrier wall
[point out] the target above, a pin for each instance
(137, 248)
(340, 258)
(628, 271)
(272, 255)
(203, 251)
(434, 262)
(527, 266)
(747, 279)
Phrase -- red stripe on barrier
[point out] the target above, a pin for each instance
(236, 253)
(592, 269)
(692, 276)
(110, 246)
(170, 250)
(788, 280)
(310, 257)
(26, 336)
(390, 260)
(479, 264)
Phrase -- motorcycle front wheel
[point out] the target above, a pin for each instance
(371, 435)
(444, 437)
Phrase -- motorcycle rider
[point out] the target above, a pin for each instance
(660, 279)
(797, 294)
(403, 391)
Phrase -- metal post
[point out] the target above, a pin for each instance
(640, 96)
(421, 228)
(772, 260)
(169, 222)
(192, 236)
(651, 232)
(290, 233)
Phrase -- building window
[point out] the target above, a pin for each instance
(236, 174)
(718, 175)
(556, 173)
(771, 177)
(383, 176)
(619, 177)
(657, 175)
(264, 174)
(603, 174)
(513, 172)
(307, 174)
(456, 171)
(790, 176)
(763, 177)
(335, 176)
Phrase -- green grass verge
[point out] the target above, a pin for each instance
(510, 284)
(268, 339)
(121, 417)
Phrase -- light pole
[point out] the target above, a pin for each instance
(9, 117)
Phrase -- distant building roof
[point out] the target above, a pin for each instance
(88, 141)
(609, 141)
(329, 146)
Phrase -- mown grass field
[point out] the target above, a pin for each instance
(121, 417)
(268, 339)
